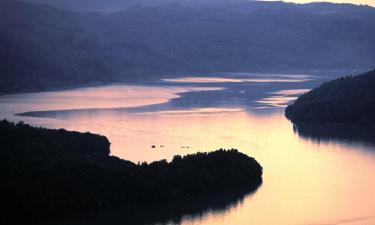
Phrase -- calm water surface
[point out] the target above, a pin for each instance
(307, 180)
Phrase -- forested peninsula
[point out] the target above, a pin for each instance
(46, 172)
(347, 100)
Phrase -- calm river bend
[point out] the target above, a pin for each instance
(308, 178)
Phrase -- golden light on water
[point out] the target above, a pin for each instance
(305, 181)
(281, 98)
(103, 97)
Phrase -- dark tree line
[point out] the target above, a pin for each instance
(349, 100)
(47, 172)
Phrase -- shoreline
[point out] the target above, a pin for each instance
(336, 72)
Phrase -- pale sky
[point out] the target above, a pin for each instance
(358, 2)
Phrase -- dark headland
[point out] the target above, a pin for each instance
(347, 100)
(47, 172)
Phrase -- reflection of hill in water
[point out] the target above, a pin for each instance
(334, 132)
(171, 213)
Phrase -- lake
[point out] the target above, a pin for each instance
(310, 176)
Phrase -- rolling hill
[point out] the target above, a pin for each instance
(43, 47)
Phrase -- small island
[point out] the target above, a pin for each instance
(347, 100)
(46, 172)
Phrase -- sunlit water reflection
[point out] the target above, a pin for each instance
(305, 181)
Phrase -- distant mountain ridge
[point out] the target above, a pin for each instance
(43, 47)
(119, 5)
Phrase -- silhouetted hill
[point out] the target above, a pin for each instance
(349, 100)
(42, 47)
(46, 172)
